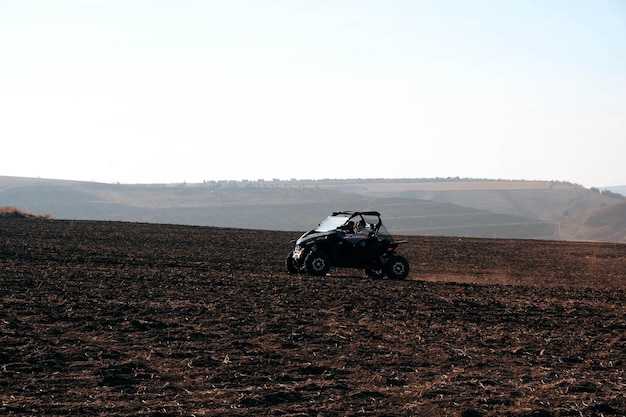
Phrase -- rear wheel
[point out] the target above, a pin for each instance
(398, 267)
(317, 263)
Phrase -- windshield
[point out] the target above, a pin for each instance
(331, 223)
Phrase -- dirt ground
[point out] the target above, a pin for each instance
(118, 319)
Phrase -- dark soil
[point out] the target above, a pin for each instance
(118, 319)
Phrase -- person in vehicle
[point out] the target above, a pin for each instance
(356, 234)
(361, 229)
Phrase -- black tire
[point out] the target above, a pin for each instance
(317, 263)
(397, 267)
(375, 272)
(291, 265)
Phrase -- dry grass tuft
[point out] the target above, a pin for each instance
(9, 212)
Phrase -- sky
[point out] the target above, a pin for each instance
(170, 91)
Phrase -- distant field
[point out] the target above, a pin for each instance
(393, 186)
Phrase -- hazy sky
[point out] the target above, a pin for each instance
(145, 91)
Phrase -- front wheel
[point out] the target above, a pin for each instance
(317, 263)
(397, 267)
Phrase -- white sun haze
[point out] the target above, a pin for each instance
(168, 91)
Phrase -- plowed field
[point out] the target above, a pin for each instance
(118, 319)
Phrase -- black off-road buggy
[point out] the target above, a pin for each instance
(349, 239)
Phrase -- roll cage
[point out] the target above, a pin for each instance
(346, 221)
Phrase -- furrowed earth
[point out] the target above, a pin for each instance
(117, 319)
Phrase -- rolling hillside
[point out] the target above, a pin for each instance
(536, 200)
(494, 209)
(602, 224)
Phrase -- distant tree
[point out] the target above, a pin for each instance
(611, 194)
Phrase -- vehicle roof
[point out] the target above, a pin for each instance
(352, 213)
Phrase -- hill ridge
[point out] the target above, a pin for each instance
(463, 207)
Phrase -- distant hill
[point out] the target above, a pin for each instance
(451, 207)
(606, 224)
(536, 200)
